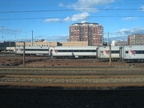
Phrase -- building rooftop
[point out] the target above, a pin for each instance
(87, 23)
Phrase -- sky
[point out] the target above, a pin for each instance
(50, 19)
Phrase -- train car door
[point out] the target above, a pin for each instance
(97, 52)
(127, 52)
(121, 52)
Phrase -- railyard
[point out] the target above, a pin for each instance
(69, 73)
(85, 83)
(39, 61)
(73, 78)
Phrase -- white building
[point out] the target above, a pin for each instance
(119, 43)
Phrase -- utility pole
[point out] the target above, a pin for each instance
(32, 38)
(109, 54)
(108, 40)
(109, 50)
(23, 53)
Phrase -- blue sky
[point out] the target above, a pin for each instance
(50, 19)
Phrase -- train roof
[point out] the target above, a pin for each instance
(33, 47)
(74, 47)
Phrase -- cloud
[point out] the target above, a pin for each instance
(52, 20)
(9, 31)
(91, 3)
(87, 5)
(75, 17)
(130, 18)
(61, 5)
(137, 30)
(2, 29)
(87, 9)
(84, 6)
(142, 8)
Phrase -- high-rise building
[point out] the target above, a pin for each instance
(136, 39)
(91, 32)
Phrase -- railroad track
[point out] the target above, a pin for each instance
(37, 61)
(72, 77)
(98, 86)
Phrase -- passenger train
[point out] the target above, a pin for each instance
(32, 50)
(73, 52)
(126, 53)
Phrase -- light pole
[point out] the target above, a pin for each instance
(32, 38)
(23, 53)
(109, 54)
(109, 44)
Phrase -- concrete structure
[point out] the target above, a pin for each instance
(81, 43)
(37, 43)
(52, 44)
(136, 39)
(91, 32)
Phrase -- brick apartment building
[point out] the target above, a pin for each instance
(91, 32)
(136, 39)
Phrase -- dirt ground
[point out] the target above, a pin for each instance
(33, 61)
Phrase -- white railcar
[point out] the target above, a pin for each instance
(104, 53)
(73, 52)
(32, 50)
(132, 53)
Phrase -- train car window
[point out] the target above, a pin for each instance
(88, 50)
(93, 50)
(114, 52)
(76, 50)
(58, 50)
(36, 49)
(126, 52)
(84, 51)
(70, 50)
(139, 52)
(64, 51)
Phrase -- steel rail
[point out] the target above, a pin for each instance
(72, 68)
(113, 85)
(74, 76)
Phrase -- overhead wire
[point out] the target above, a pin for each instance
(12, 2)
(65, 10)
(61, 17)
(69, 10)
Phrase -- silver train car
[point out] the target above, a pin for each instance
(73, 52)
(132, 53)
(125, 53)
(33, 50)
(104, 53)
